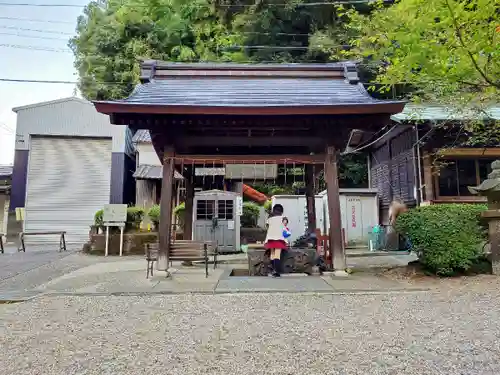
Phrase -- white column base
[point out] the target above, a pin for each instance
(340, 273)
(162, 264)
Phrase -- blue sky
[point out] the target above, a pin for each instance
(30, 64)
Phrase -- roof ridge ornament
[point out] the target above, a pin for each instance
(148, 71)
(351, 73)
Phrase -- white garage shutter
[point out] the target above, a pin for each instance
(68, 181)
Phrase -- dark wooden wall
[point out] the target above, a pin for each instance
(392, 170)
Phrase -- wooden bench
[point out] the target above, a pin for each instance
(183, 250)
(61, 234)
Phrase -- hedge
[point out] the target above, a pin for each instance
(446, 237)
(250, 216)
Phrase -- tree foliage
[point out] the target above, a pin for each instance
(112, 35)
(447, 50)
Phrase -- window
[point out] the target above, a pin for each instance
(225, 209)
(467, 176)
(448, 181)
(484, 168)
(205, 209)
(457, 175)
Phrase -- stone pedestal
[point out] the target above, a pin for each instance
(292, 261)
(493, 217)
(490, 188)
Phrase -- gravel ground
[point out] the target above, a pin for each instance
(419, 333)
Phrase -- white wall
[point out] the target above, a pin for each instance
(359, 213)
(68, 117)
(147, 154)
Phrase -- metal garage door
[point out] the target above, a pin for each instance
(68, 181)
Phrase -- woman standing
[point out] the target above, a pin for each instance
(275, 240)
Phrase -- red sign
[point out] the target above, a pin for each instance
(353, 216)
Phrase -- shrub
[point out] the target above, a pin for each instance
(98, 218)
(154, 214)
(268, 206)
(446, 237)
(135, 215)
(250, 216)
(179, 210)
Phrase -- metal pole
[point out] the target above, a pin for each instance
(121, 240)
(417, 164)
(107, 240)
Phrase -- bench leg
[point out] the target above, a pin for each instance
(21, 246)
(63, 238)
(206, 260)
(150, 268)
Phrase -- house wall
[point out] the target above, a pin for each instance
(393, 171)
(147, 154)
(72, 117)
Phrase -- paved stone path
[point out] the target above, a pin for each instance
(450, 333)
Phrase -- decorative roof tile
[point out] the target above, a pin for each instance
(152, 172)
(142, 136)
(5, 171)
(246, 85)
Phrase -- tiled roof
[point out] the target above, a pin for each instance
(250, 92)
(441, 113)
(152, 172)
(142, 136)
(249, 85)
(5, 171)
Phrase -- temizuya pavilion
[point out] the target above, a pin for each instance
(267, 113)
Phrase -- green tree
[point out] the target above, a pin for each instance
(447, 50)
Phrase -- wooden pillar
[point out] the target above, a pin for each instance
(332, 187)
(165, 227)
(428, 180)
(188, 211)
(310, 201)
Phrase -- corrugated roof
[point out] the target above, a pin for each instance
(5, 170)
(142, 136)
(56, 101)
(152, 172)
(442, 113)
(250, 92)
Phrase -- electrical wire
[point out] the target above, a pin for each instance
(36, 30)
(338, 2)
(34, 36)
(36, 48)
(36, 20)
(228, 48)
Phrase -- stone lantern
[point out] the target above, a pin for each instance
(490, 188)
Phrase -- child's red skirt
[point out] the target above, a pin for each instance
(276, 244)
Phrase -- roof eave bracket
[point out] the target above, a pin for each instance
(148, 72)
(351, 73)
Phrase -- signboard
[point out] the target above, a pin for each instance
(209, 171)
(115, 213)
(239, 206)
(251, 171)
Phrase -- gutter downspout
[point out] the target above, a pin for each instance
(418, 174)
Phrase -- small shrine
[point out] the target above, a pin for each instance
(490, 188)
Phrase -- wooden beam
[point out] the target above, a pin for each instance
(391, 108)
(332, 187)
(223, 141)
(165, 227)
(249, 159)
(428, 177)
(475, 152)
(188, 211)
(310, 199)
